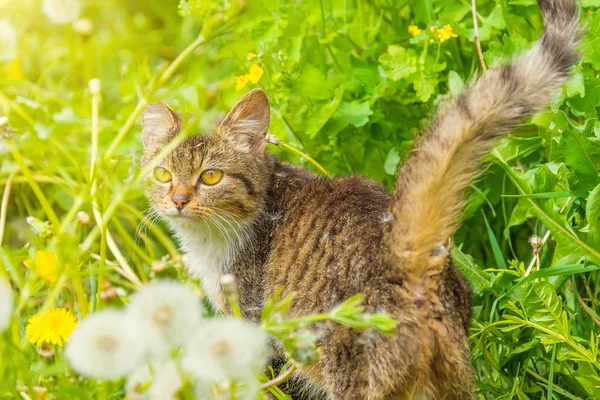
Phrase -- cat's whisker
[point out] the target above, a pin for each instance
(142, 223)
(245, 238)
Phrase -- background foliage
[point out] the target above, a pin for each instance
(350, 86)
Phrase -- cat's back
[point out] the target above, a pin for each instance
(326, 236)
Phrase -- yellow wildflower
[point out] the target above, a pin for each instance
(253, 76)
(44, 265)
(445, 33)
(414, 30)
(52, 327)
(251, 56)
(240, 82)
(255, 73)
(14, 70)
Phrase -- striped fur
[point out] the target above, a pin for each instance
(274, 225)
(428, 199)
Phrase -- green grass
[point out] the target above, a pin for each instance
(349, 87)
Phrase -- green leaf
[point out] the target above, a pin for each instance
(499, 53)
(324, 113)
(590, 42)
(575, 86)
(398, 62)
(544, 307)
(584, 93)
(547, 195)
(571, 247)
(455, 83)
(424, 86)
(355, 113)
(391, 162)
(592, 211)
(494, 243)
(480, 281)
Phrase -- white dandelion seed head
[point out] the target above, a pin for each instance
(168, 313)
(164, 381)
(83, 26)
(138, 379)
(61, 11)
(6, 304)
(227, 348)
(167, 382)
(105, 345)
(8, 41)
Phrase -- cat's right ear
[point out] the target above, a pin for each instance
(247, 123)
(160, 124)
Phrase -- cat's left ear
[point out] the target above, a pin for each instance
(247, 123)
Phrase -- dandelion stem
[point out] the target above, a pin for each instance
(535, 259)
(279, 379)
(273, 140)
(80, 293)
(4, 207)
(77, 203)
(36, 188)
(125, 128)
(95, 91)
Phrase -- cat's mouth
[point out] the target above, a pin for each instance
(174, 213)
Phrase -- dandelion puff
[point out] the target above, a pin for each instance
(228, 348)
(6, 304)
(168, 313)
(167, 383)
(105, 345)
(8, 41)
(61, 11)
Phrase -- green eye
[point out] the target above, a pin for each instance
(162, 175)
(211, 176)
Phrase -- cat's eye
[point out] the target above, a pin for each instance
(162, 175)
(211, 176)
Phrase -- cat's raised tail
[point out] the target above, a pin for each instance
(429, 195)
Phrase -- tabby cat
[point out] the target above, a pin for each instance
(236, 209)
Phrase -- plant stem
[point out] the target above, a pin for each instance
(54, 221)
(4, 207)
(142, 101)
(273, 140)
(279, 379)
(476, 36)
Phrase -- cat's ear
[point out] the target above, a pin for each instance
(160, 124)
(247, 123)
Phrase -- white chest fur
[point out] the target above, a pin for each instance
(209, 252)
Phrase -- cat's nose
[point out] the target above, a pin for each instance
(180, 200)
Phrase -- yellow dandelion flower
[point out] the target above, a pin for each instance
(251, 56)
(14, 70)
(44, 265)
(52, 327)
(445, 33)
(255, 73)
(240, 82)
(414, 30)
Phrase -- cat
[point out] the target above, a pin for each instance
(237, 210)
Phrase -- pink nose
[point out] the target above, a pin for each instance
(180, 200)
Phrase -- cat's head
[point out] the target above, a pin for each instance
(223, 175)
